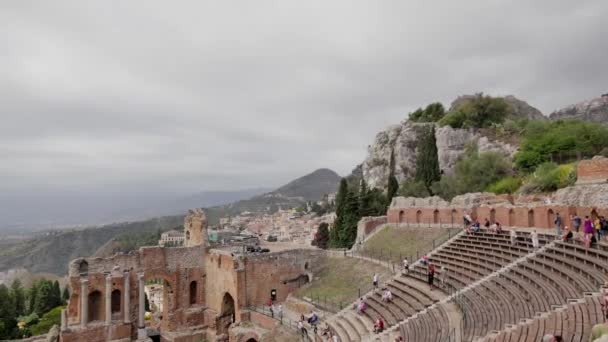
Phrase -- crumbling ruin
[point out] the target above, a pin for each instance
(205, 290)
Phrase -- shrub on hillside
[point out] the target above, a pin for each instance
(477, 112)
(413, 188)
(560, 140)
(47, 321)
(506, 185)
(550, 177)
(473, 172)
(432, 113)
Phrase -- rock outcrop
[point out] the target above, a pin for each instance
(403, 140)
(594, 110)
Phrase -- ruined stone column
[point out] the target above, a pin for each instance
(84, 305)
(127, 299)
(142, 302)
(108, 299)
(64, 320)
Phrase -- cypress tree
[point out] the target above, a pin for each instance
(56, 294)
(427, 159)
(18, 297)
(341, 198)
(348, 233)
(364, 200)
(393, 185)
(322, 237)
(65, 296)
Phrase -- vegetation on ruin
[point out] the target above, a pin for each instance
(392, 243)
(321, 239)
(38, 308)
(339, 280)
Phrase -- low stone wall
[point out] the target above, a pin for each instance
(368, 225)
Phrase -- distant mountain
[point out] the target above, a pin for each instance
(51, 252)
(593, 110)
(26, 212)
(310, 187)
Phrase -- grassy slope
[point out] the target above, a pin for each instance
(340, 278)
(395, 242)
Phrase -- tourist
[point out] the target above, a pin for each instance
(467, 219)
(313, 320)
(598, 226)
(513, 236)
(399, 339)
(576, 222)
(334, 338)
(498, 227)
(551, 338)
(599, 332)
(431, 275)
(406, 266)
(535, 242)
(604, 225)
(558, 224)
(604, 303)
(476, 226)
(302, 328)
(375, 281)
(567, 235)
(424, 260)
(361, 306)
(280, 311)
(588, 229)
(487, 224)
(387, 296)
(378, 326)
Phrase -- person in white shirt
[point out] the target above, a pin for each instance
(513, 236)
(535, 243)
(375, 280)
(406, 265)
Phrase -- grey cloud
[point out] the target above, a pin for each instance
(219, 95)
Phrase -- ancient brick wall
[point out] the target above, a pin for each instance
(592, 171)
(367, 225)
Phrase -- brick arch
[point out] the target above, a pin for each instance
(419, 216)
(511, 217)
(249, 337)
(436, 216)
(531, 218)
(169, 290)
(492, 215)
(550, 217)
(401, 216)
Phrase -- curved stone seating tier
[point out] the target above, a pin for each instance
(432, 325)
(573, 323)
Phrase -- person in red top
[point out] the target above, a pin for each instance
(431, 275)
(378, 326)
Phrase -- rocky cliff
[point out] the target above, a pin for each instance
(594, 110)
(403, 139)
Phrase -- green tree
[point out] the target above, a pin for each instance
(65, 296)
(18, 297)
(56, 294)
(427, 159)
(8, 323)
(322, 236)
(44, 298)
(414, 188)
(348, 232)
(364, 200)
(53, 317)
(341, 198)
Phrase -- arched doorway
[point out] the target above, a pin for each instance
(511, 217)
(454, 214)
(227, 315)
(83, 267)
(95, 306)
(493, 215)
(115, 305)
(550, 217)
(531, 218)
(401, 216)
(418, 216)
(193, 292)
(436, 216)
(252, 340)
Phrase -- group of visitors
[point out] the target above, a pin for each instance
(312, 320)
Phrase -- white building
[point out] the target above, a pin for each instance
(172, 237)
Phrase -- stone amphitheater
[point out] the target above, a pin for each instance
(489, 286)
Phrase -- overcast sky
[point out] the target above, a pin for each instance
(132, 95)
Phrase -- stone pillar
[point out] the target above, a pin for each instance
(64, 320)
(84, 304)
(108, 299)
(141, 324)
(127, 297)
